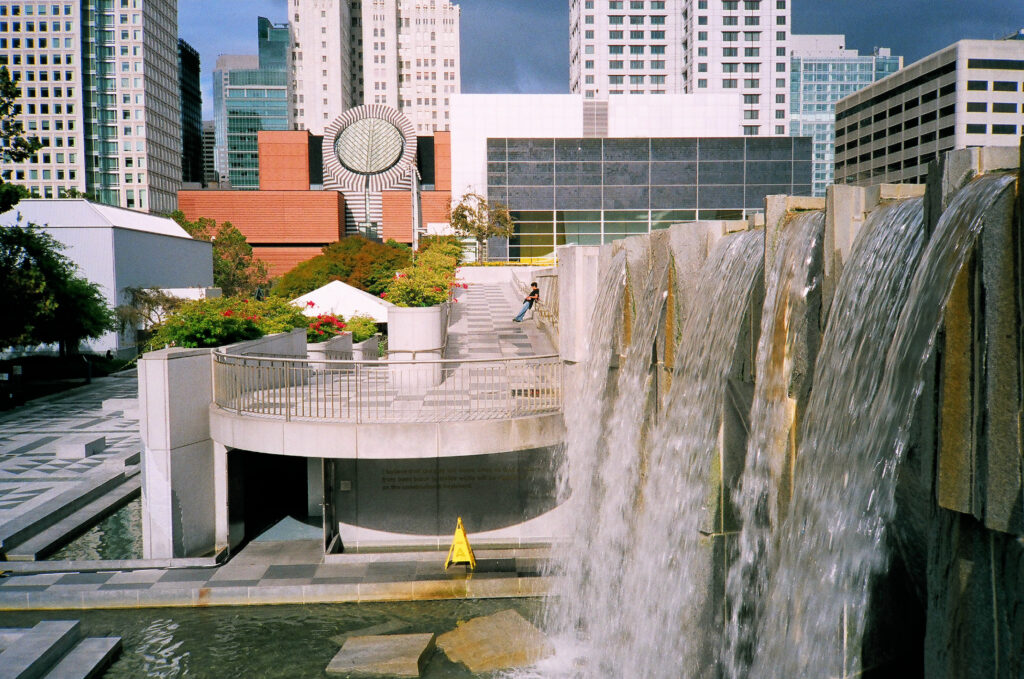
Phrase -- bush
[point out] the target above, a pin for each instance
(354, 260)
(324, 327)
(223, 320)
(429, 281)
(362, 328)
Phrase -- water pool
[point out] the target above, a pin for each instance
(265, 641)
(119, 536)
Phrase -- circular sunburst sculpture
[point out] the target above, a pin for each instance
(371, 147)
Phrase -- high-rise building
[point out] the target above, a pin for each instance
(191, 113)
(402, 53)
(619, 47)
(968, 94)
(250, 93)
(821, 72)
(99, 88)
(209, 153)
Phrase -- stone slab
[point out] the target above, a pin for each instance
(78, 447)
(495, 642)
(87, 660)
(38, 648)
(395, 655)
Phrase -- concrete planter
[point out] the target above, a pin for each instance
(417, 334)
(336, 348)
(367, 350)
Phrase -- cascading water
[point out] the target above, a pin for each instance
(856, 431)
(793, 275)
(630, 598)
(584, 412)
(870, 293)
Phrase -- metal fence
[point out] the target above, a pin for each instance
(387, 391)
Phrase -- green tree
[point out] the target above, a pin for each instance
(16, 146)
(354, 260)
(235, 270)
(42, 299)
(475, 218)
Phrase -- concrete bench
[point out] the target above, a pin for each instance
(78, 447)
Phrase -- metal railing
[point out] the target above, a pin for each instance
(387, 391)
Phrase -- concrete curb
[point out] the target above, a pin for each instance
(425, 590)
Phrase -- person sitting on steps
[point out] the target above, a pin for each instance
(528, 303)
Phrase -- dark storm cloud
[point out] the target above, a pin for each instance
(515, 46)
(912, 28)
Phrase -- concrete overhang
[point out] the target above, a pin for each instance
(388, 440)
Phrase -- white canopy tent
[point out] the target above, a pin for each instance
(342, 299)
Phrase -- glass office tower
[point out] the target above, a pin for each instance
(823, 71)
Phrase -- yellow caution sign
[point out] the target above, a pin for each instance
(460, 553)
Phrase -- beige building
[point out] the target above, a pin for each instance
(685, 46)
(968, 94)
(401, 53)
(115, 133)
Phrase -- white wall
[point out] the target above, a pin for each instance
(475, 117)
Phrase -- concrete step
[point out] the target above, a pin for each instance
(9, 635)
(38, 649)
(89, 659)
(71, 526)
(23, 527)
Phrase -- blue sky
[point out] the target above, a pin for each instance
(523, 45)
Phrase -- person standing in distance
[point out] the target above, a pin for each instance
(528, 303)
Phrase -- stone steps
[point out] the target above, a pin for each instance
(86, 660)
(68, 527)
(55, 649)
(23, 527)
(38, 649)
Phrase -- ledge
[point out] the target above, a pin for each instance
(379, 441)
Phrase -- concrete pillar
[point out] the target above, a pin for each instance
(178, 471)
(578, 277)
(220, 496)
(315, 486)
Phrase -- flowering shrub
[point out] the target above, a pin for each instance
(362, 328)
(429, 281)
(323, 328)
(222, 320)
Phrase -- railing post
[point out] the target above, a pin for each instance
(287, 394)
(359, 409)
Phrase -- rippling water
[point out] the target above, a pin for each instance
(264, 641)
(119, 536)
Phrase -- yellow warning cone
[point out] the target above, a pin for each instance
(460, 553)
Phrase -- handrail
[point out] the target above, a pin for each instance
(378, 364)
(392, 391)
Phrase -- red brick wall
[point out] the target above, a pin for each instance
(284, 160)
(272, 216)
(397, 216)
(443, 161)
(435, 206)
(282, 260)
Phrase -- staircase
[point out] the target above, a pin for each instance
(54, 649)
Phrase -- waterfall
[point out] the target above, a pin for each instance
(789, 281)
(620, 608)
(867, 380)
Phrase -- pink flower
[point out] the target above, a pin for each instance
(311, 303)
(383, 295)
(229, 312)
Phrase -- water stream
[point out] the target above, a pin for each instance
(629, 600)
(869, 375)
(790, 280)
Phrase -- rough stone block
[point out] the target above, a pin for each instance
(77, 447)
(397, 655)
(495, 642)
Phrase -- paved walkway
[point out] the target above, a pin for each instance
(31, 474)
(481, 325)
(273, 573)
